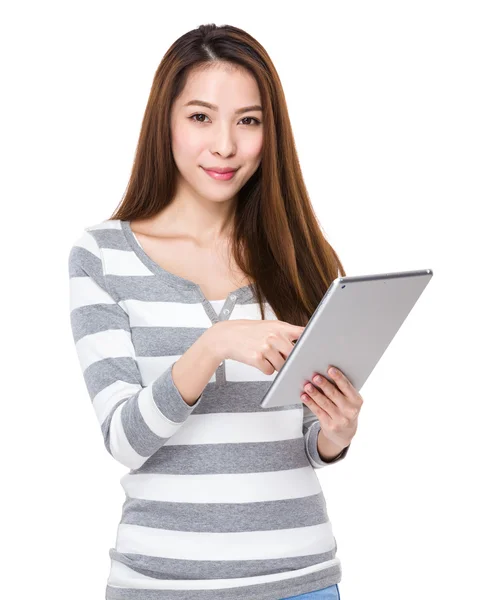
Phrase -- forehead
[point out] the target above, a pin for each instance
(229, 86)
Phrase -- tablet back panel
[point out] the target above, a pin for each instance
(351, 328)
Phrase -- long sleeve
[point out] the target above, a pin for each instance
(135, 420)
(311, 429)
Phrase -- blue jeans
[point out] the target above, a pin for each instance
(328, 593)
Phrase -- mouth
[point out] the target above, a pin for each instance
(223, 176)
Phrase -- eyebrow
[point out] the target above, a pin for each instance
(214, 107)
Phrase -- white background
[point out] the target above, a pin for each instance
(388, 103)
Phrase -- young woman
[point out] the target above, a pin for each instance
(184, 305)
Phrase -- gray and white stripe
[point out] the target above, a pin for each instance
(222, 497)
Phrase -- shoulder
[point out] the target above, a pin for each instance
(94, 238)
(86, 251)
(104, 231)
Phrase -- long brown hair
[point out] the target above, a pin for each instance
(277, 240)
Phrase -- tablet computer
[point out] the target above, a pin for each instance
(350, 329)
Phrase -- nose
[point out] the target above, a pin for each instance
(224, 142)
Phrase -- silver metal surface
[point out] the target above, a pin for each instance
(351, 328)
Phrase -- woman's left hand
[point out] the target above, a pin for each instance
(336, 406)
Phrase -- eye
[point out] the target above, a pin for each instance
(257, 122)
(198, 115)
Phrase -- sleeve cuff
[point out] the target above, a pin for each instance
(169, 400)
(311, 448)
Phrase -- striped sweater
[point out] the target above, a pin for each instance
(222, 497)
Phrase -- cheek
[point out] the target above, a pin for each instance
(184, 140)
(185, 144)
(252, 148)
(258, 145)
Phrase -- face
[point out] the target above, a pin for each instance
(218, 136)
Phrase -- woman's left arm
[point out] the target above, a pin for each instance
(337, 406)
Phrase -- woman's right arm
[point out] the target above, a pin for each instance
(190, 381)
(136, 420)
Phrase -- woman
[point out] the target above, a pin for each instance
(184, 305)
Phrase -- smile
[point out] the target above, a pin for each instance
(220, 176)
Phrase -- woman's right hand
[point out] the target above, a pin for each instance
(264, 344)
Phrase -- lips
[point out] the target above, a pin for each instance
(225, 176)
(220, 169)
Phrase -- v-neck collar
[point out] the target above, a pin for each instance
(243, 293)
